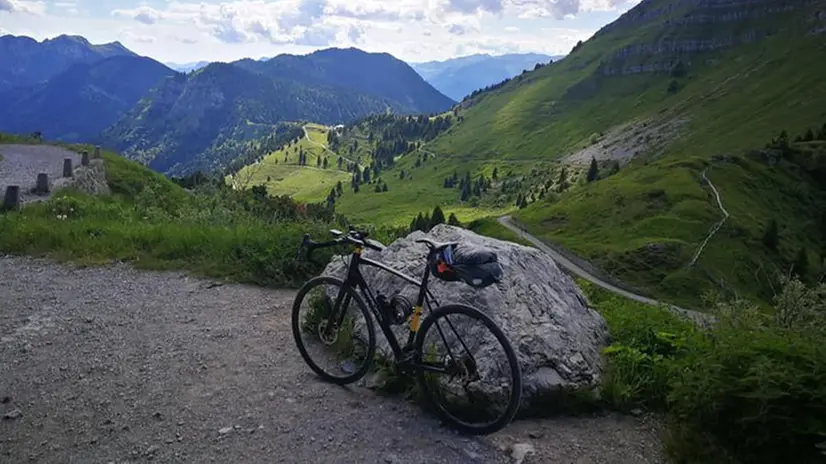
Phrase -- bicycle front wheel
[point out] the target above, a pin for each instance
(467, 370)
(333, 330)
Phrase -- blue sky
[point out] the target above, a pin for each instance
(413, 30)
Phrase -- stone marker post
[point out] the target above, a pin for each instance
(67, 167)
(42, 185)
(84, 159)
(11, 200)
(97, 151)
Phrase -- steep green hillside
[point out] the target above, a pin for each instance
(27, 62)
(376, 74)
(730, 62)
(671, 85)
(79, 103)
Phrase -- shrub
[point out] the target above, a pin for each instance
(752, 387)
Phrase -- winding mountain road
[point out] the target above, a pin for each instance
(574, 268)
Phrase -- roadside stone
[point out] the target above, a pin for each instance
(13, 414)
(520, 451)
(225, 430)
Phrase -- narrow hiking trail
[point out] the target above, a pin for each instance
(20, 165)
(112, 364)
(717, 225)
(572, 267)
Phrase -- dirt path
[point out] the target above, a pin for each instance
(111, 364)
(21, 164)
(717, 225)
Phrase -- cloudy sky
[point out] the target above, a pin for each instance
(413, 30)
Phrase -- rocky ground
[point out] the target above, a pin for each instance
(20, 165)
(111, 364)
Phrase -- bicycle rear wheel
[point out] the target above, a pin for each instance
(333, 330)
(454, 347)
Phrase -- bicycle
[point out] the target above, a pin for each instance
(328, 313)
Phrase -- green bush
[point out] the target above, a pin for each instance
(752, 388)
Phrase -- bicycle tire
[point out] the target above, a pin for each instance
(516, 371)
(296, 325)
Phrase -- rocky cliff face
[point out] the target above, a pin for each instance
(678, 30)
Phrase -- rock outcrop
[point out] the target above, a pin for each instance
(87, 179)
(557, 338)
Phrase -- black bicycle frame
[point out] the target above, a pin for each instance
(355, 279)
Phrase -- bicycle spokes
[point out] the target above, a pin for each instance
(329, 331)
(467, 372)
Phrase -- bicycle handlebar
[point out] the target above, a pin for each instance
(353, 237)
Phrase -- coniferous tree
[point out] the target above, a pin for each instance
(801, 262)
(453, 220)
(770, 237)
(438, 217)
(593, 170)
(809, 136)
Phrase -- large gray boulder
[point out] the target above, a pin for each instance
(557, 338)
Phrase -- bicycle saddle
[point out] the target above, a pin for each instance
(436, 246)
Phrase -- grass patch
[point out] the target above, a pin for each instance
(153, 223)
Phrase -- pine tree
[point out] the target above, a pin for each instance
(318, 162)
(801, 263)
(324, 164)
(453, 220)
(495, 173)
(593, 171)
(770, 237)
(384, 187)
(465, 192)
(339, 189)
(809, 136)
(438, 217)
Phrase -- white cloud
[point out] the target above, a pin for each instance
(416, 30)
(22, 6)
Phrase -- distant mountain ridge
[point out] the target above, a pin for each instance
(188, 67)
(79, 103)
(26, 62)
(361, 71)
(189, 121)
(459, 77)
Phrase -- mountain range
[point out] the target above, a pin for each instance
(27, 62)
(458, 77)
(70, 90)
(455, 77)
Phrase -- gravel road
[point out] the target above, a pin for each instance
(20, 165)
(111, 364)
